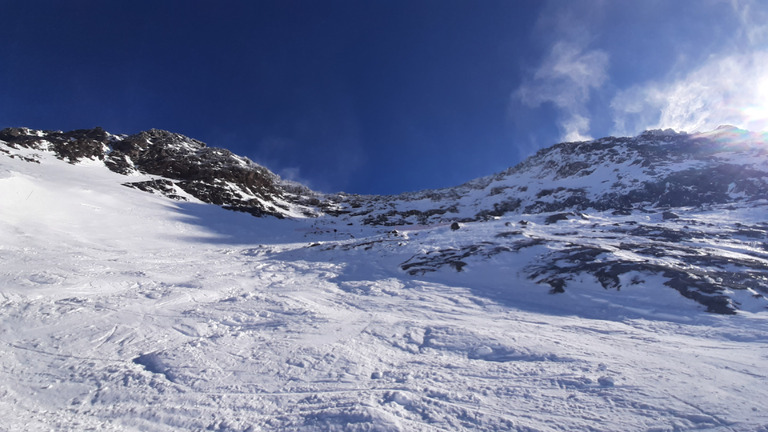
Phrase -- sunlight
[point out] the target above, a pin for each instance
(756, 114)
(731, 89)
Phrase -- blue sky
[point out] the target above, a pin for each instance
(384, 96)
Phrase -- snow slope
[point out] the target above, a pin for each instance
(122, 310)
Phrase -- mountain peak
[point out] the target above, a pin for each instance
(661, 133)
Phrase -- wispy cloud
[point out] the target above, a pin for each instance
(753, 17)
(566, 78)
(729, 87)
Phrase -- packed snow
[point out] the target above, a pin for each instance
(122, 310)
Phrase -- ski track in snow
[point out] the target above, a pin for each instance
(139, 313)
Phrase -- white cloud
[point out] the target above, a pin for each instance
(566, 79)
(729, 87)
(696, 92)
(293, 174)
(576, 128)
(726, 89)
(753, 17)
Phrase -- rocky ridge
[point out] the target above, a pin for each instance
(653, 171)
(656, 170)
(180, 166)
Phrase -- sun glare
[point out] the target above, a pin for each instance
(756, 114)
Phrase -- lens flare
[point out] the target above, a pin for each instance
(731, 138)
(756, 113)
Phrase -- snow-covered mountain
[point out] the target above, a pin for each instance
(642, 204)
(168, 163)
(615, 284)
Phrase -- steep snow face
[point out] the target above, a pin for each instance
(124, 310)
(624, 188)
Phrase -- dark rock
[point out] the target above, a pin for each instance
(161, 186)
(431, 261)
(578, 168)
(555, 218)
(500, 209)
(507, 234)
(557, 284)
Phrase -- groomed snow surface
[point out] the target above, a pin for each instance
(121, 310)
